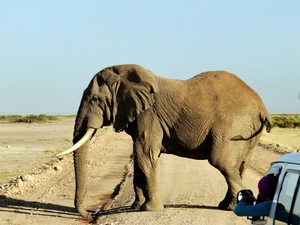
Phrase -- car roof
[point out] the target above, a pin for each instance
(293, 158)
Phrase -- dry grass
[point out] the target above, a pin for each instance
(10, 175)
(280, 141)
(284, 137)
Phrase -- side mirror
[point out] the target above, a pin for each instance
(246, 192)
(251, 200)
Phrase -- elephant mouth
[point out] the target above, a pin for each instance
(87, 136)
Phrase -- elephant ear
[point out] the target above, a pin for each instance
(135, 90)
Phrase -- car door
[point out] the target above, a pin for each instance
(288, 202)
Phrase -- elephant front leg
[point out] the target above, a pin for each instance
(138, 181)
(145, 185)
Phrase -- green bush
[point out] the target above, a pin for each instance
(286, 120)
(42, 118)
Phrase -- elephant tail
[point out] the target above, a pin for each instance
(266, 119)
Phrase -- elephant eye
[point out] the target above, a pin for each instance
(95, 98)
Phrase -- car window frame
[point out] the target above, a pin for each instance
(296, 190)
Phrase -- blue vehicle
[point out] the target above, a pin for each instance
(287, 168)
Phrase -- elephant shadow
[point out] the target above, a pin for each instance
(128, 209)
(189, 206)
(36, 208)
(11, 205)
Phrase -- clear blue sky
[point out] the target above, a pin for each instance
(50, 50)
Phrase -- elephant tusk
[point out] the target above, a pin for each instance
(88, 135)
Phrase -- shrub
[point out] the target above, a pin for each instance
(28, 119)
(286, 120)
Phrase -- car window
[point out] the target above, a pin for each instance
(288, 208)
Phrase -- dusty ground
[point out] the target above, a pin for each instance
(25, 146)
(44, 190)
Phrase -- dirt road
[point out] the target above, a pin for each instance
(190, 189)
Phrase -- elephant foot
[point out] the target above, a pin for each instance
(225, 205)
(152, 206)
(136, 205)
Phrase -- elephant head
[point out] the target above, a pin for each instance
(116, 95)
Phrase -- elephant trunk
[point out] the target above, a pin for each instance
(83, 130)
(80, 164)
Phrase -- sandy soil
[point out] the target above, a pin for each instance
(25, 146)
(44, 190)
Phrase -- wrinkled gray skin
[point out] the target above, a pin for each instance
(213, 116)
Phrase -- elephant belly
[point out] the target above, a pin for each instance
(184, 150)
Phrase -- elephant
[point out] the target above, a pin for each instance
(212, 116)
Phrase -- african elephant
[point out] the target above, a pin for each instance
(213, 116)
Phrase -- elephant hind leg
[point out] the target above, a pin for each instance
(242, 168)
(235, 184)
(232, 172)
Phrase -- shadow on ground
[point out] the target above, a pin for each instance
(128, 209)
(36, 208)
